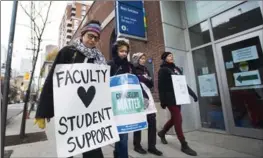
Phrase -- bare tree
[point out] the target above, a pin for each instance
(38, 25)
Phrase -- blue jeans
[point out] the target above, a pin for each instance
(121, 147)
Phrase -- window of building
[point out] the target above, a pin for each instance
(199, 34)
(210, 105)
(240, 18)
(83, 12)
(200, 10)
(73, 14)
(83, 8)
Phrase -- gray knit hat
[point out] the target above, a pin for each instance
(136, 57)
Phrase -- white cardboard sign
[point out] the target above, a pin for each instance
(83, 114)
(151, 107)
(180, 90)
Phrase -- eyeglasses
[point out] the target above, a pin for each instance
(91, 36)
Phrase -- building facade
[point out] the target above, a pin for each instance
(74, 14)
(218, 45)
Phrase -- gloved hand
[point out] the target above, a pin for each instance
(195, 99)
(41, 122)
(163, 106)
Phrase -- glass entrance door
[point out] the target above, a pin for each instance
(241, 70)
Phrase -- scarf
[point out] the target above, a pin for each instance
(90, 53)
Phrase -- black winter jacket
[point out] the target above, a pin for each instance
(140, 71)
(165, 85)
(118, 65)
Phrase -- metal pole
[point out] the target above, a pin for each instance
(7, 76)
(1, 101)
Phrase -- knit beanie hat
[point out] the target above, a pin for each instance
(165, 54)
(136, 57)
(93, 26)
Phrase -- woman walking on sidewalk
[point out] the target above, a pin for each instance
(82, 50)
(120, 65)
(167, 99)
(143, 75)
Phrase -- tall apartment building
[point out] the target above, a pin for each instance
(72, 17)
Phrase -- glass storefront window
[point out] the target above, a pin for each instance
(200, 10)
(240, 18)
(199, 34)
(244, 71)
(209, 97)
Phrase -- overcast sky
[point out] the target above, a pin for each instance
(22, 33)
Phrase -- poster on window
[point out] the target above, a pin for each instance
(128, 103)
(180, 90)
(208, 85)
(83, 114)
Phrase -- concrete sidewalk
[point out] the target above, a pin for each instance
(206, 144)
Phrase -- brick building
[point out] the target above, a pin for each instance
(213, 42)
(105, 13)
(74, 14)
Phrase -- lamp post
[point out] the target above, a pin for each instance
(7, 77)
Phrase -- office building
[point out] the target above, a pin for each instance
(74, 14)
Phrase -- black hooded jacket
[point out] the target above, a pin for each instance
(118, 65)
(165, 85)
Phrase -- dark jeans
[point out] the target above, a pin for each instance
(121, 147)
(176, 121)
(151, 118)
(96, 153)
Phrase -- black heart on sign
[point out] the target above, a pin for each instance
(86, 96)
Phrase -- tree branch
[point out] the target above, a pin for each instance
(44, 26)
(33, 20)
(39, 14)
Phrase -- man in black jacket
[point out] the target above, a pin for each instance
(167, 99)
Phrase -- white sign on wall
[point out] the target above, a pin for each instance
(208, 85)
(248, 78)
(245, 54)
(180, 89)
(83, 114)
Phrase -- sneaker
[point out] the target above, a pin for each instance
(140, 150)
(155, 152)
(162, 137)
(187, 150)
